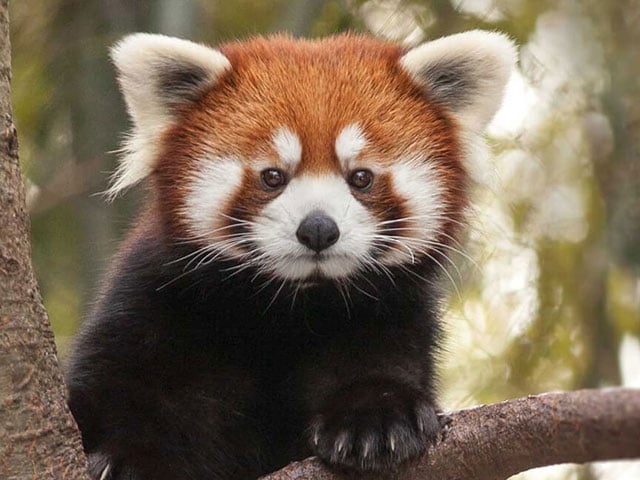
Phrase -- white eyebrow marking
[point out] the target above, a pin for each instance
(288, 147)
(349, 144)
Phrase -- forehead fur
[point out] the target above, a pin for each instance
(316, 88)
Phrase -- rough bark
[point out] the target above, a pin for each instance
(493, 442)
(38, 437)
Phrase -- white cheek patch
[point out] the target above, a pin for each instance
(288, 147)
(349, 143)
(419, 184)
(213, 184)
(275, 229)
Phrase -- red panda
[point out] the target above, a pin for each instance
(278, 295)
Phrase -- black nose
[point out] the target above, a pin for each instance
(318, 231)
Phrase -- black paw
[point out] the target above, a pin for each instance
(374, 427)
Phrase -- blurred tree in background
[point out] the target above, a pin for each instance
(547, 295)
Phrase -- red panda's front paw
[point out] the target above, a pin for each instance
(374, 428)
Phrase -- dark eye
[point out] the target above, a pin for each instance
(361, 179)
(273, 178)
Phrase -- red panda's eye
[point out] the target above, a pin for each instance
(273, 178)
(361, 179)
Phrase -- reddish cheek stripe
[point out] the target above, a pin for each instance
(386, 205)
(455, 198)
(246, 204)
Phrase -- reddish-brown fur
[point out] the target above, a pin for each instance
(315, 88)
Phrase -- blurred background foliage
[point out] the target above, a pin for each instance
(548, 297)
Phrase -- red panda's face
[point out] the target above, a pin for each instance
(362, 212)
(311, 160)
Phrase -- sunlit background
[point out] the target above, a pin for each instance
(547, 296)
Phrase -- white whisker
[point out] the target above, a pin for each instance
(345, 296)
(275, 296)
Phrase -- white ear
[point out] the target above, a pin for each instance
(157, 74)
(466, 73)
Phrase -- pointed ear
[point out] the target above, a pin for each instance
(466, 73)
(157, 74)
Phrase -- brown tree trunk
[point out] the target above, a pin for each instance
(38, 437)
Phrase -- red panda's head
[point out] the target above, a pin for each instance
(310, 158)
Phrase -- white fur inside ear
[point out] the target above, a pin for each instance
(466, 72)
(156, 73)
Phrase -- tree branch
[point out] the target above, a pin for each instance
(493, 442)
